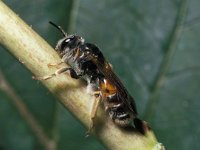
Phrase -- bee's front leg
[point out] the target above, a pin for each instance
(72, 73)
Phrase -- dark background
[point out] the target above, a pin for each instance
(154, 48)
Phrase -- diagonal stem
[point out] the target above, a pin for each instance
(170, 50)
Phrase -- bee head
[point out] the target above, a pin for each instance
(68, 43)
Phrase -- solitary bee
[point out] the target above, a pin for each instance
(87, 62)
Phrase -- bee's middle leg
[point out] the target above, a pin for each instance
(62, 70)
(56, 64)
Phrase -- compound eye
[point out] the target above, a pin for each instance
(68, 40)
(67, 43)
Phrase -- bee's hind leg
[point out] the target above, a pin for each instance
(94, 111)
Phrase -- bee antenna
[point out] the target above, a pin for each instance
(59, 28)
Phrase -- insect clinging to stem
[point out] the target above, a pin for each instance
(87, 62)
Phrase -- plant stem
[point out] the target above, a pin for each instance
(36, 54)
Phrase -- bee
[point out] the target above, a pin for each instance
(87, 62)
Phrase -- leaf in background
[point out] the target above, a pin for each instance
(153, 46)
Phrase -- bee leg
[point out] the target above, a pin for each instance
(94, 111)
(56, 64)
(72, 73)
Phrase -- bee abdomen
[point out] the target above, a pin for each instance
(125, 122)
(122, 118)
(119, 113)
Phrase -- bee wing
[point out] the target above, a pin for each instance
(123, 95)
(104, 67)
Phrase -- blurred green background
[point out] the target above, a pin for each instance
(154, 48)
